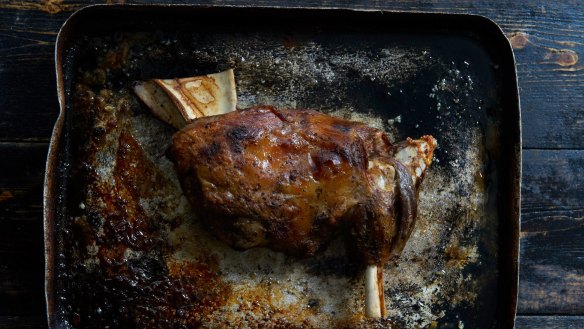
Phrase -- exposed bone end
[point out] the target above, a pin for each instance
(426, 146)
(413, 155)
(416, 154)
(159, 103)
(374, 296)
(180, 101)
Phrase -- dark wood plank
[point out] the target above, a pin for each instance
(547, 36)
(22, 267)
(552, 233)
(23, 322)
(27, 76)
(21, 184)
(547, 322)
(21, 228)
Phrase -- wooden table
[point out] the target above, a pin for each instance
(548, 39)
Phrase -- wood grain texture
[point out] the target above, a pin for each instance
(548, 39)
(28, 103)
(552, 233)
(21, 230)
(548, 322)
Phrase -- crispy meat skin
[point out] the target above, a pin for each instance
(292, 180)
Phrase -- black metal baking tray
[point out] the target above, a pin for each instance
(452, 76)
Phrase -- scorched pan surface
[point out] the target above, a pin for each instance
(123, 247)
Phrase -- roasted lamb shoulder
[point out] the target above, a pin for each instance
(292, 180)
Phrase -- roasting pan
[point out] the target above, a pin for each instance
(122, 248)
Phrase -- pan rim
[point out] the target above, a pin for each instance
(50, 190)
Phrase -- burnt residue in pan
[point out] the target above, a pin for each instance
(131, 255)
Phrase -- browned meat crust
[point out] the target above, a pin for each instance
(292, 180)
